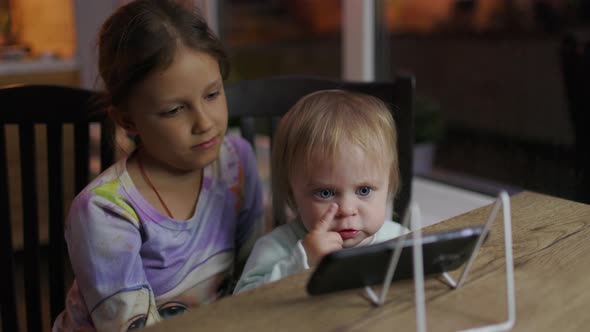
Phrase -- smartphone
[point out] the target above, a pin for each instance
(365, 266)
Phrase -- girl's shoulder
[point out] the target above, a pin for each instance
(113, 173)
(236, 159)
(107, 191)
(235, 148)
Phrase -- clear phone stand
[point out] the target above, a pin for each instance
(502, 200)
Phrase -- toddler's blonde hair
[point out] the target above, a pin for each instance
(319, 126)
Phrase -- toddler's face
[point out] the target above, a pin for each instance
(356, 183)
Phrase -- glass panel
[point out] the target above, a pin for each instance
(280, 37)
(492, 70)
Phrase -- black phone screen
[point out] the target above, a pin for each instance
(366, 266)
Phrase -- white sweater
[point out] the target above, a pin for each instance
(280, 253)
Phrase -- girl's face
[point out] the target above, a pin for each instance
(180, 113)
(357, 183)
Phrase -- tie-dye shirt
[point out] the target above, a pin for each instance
(134, 266)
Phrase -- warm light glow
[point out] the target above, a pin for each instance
(45, 25)
(417, 15)
(426, 16)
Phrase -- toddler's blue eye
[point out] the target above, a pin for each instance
(364, 191)
(325, 193)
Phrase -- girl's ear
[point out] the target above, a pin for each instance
(124, 120)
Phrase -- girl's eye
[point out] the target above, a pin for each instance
(325, 193)
(212, 95)
(171, 112)
(364, 191)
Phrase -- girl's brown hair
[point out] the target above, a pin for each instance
(143, 36)
(318, 125)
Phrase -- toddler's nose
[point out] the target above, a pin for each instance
(347, 207)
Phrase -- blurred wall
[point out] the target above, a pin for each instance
(509, 86)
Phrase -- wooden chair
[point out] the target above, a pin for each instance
(575, 65)
(270, 98)
(28, 108)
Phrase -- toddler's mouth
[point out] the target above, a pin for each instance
(348, 233)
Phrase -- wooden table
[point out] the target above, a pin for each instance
(551, 239)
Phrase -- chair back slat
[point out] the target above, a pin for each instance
(106, 145)
(30, 225)
(81, 155)
(7, 295)
(279, 214)
(55, 108)
(575, 66)
(403, 109)
(57, 249)
(248, 128)
(274, 123)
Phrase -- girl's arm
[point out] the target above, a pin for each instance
(104, 239)
(250, 224)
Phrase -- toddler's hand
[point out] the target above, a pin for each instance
(320, 241)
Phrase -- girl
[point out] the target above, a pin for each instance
(164, 229)
(334, 164)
